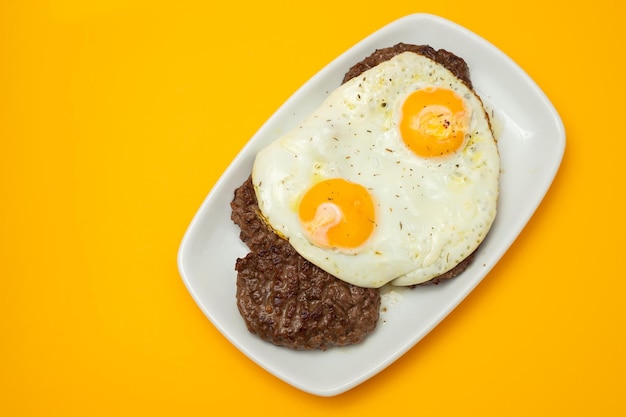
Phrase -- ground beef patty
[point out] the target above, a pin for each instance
(288, 301)
(285, 299)
(447, 59)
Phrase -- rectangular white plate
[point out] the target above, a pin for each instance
(531, 143)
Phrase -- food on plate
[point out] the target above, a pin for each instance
(392, 180)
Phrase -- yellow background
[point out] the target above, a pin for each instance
(116, 119)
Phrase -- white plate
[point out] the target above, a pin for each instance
(531, 142)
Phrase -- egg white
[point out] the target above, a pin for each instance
(431, 213)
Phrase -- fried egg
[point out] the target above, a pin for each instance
(393, 179)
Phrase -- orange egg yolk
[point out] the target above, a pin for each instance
(434, 122)
(337, 214)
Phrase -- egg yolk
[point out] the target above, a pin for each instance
(434, 122)
(337, 213)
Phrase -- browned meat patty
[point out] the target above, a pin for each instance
(450, 61)
(288, 301)
(245, 214)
